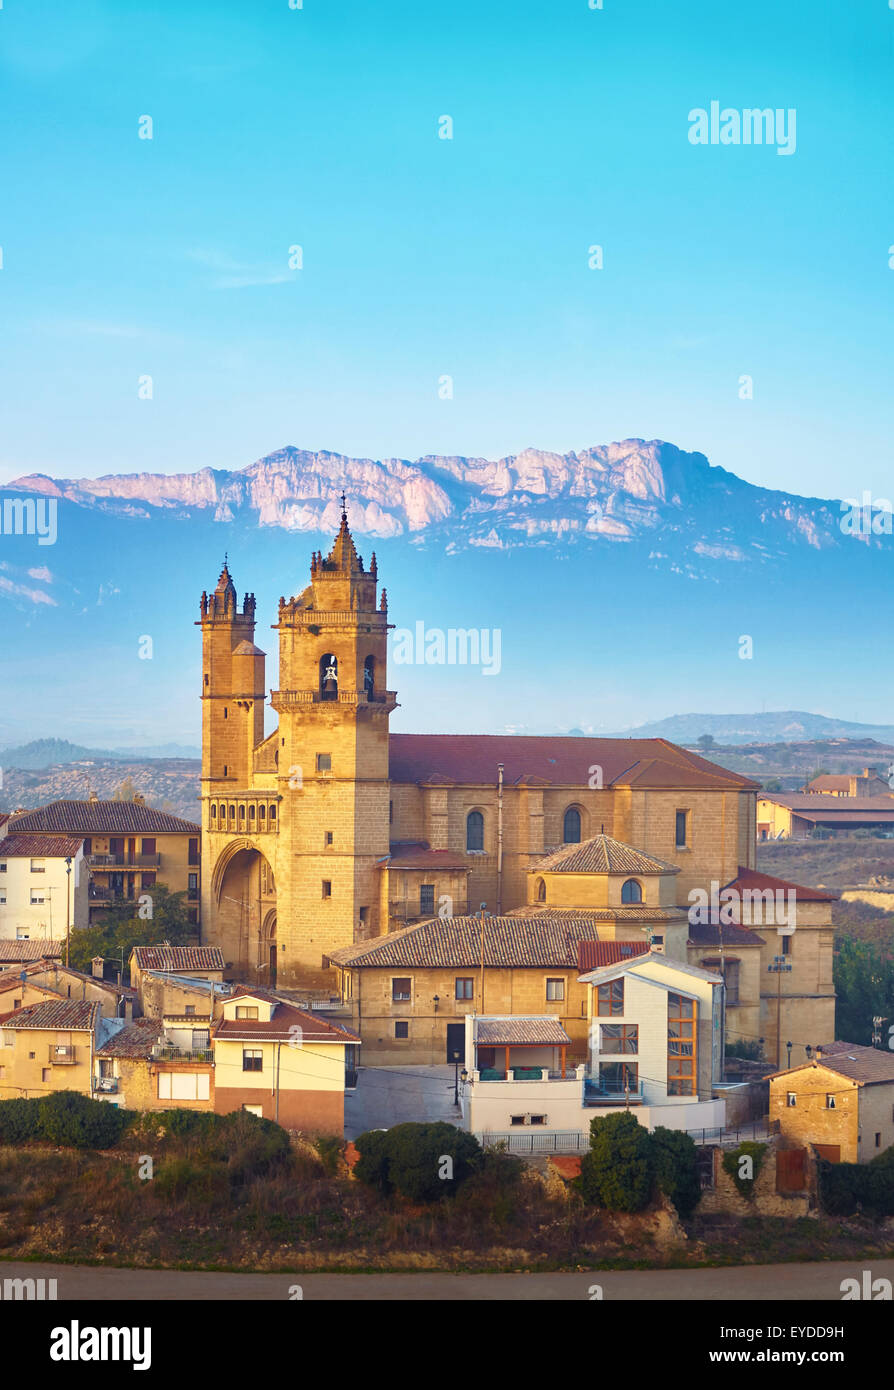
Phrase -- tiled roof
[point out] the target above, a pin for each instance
(102, 818)
(137, 1039)
(122, 991)
(818, 807)
(729, 934)
(27, 846)
(418, 856)
(173, 958)
(750, 880)
(35, 949)
(519, 1029)
(625, 913)
(831, 782)
(865, 1065)
(547, 940)
(62, 1013)
(592, 955)
(286, 1018)
(602, 855)
(473, 759)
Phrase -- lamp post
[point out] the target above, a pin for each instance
(789, 1046)
(780, 965)
(456, 1078)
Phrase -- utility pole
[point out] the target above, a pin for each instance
(778, 968)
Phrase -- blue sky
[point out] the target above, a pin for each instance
(424, 257)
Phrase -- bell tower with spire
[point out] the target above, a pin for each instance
(332, 759)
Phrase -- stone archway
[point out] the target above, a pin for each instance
(243, 894)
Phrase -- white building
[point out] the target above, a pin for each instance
(43, 886)
(655, 1048)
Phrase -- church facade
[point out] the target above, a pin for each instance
(332, 832)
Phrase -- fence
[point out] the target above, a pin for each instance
(531, 1141)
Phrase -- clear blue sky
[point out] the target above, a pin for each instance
(425, 257)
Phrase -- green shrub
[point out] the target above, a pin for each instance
(849, 1188)
(749, 1049)
(674, 1166)
(747, 1149)
(419, 1161)
(617, 1172)
(19, 1120)
(181, 1179)
(66, 1117)
(330, 1148)
(371, 1167)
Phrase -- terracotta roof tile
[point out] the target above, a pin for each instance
(137, 1039)
(544, 940)
(520, 1029)
(33, 846)
(170, 959)
(750, 880)
(34, 949)
(286, 1018)
(62, 1013)
(420, 856)
(866, 1065)
(592, 955)
(602, 855)
(101, 818)
(473, 759)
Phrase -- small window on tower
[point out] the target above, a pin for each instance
(262, 813)
(327, 888)
(329, 837)
(225, 712)
(324, 762)
(273, 813)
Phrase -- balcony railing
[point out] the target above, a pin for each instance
(63, 1055)
(120, 860)
(107, 1085)
(611, 1092)
(164, 1052)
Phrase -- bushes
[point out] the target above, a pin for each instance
(747, 1149)
(849, 1188)
(420, 1161)
(65, 1117)
(617, 1172)
(626, 1165)
(749, 1049)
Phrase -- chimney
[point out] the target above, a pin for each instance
(96, 965)
(139, 799)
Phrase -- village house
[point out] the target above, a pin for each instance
(15, 954)
(281, 1063)
(194, 962)
(158, 1064)
(50, 979)
(50, 1046)
(849, 784)
(794, 815)
(128, 848)
(43, 884)
(841, 1102)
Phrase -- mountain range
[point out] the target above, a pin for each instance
(622, 578)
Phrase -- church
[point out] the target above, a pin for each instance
(332, 831)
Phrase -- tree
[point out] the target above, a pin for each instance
(705, 741)
(125, 791)
(419, 1161)
(674, 1165)
(618, 1172)
(864, 985)
(122, 927)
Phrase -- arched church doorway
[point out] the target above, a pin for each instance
(244, 892)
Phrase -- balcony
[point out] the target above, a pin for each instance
(164, 1052)
(128, 861)
(611, 1093)
(526, 1074)
(63, 1055)
(105, 1085)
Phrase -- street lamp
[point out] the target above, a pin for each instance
(455, 1078)
(789, 1046)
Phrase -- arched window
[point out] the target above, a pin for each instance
(369, 677)
(571, 826)
(631, 891)
(474, 830)
(540, 890)
(329, 677)
(214, 812)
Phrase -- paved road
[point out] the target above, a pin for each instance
(757, 1283)
(387, 1096)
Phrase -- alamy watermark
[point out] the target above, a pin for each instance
(762, 907)
(30, 516)
(873, 516)
(458, 646)
(751, 126)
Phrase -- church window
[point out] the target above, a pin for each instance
(324, 762)
(329, 677)
(571, 826)
(631, 891)
(681, 829)
(251, 812)
(214, 813)
(327, 888)
(262, 813)
(232, 812)
(474, 831)
(273, 813)
(329, 837)
(242, 813)
(540, 890)
(426, 899)
(225, 712)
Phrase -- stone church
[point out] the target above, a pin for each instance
(332, 831)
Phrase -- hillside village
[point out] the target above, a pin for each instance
(513, 936)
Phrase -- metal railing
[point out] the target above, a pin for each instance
(531, 1139)
(63, 1055)
(165, 1052)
